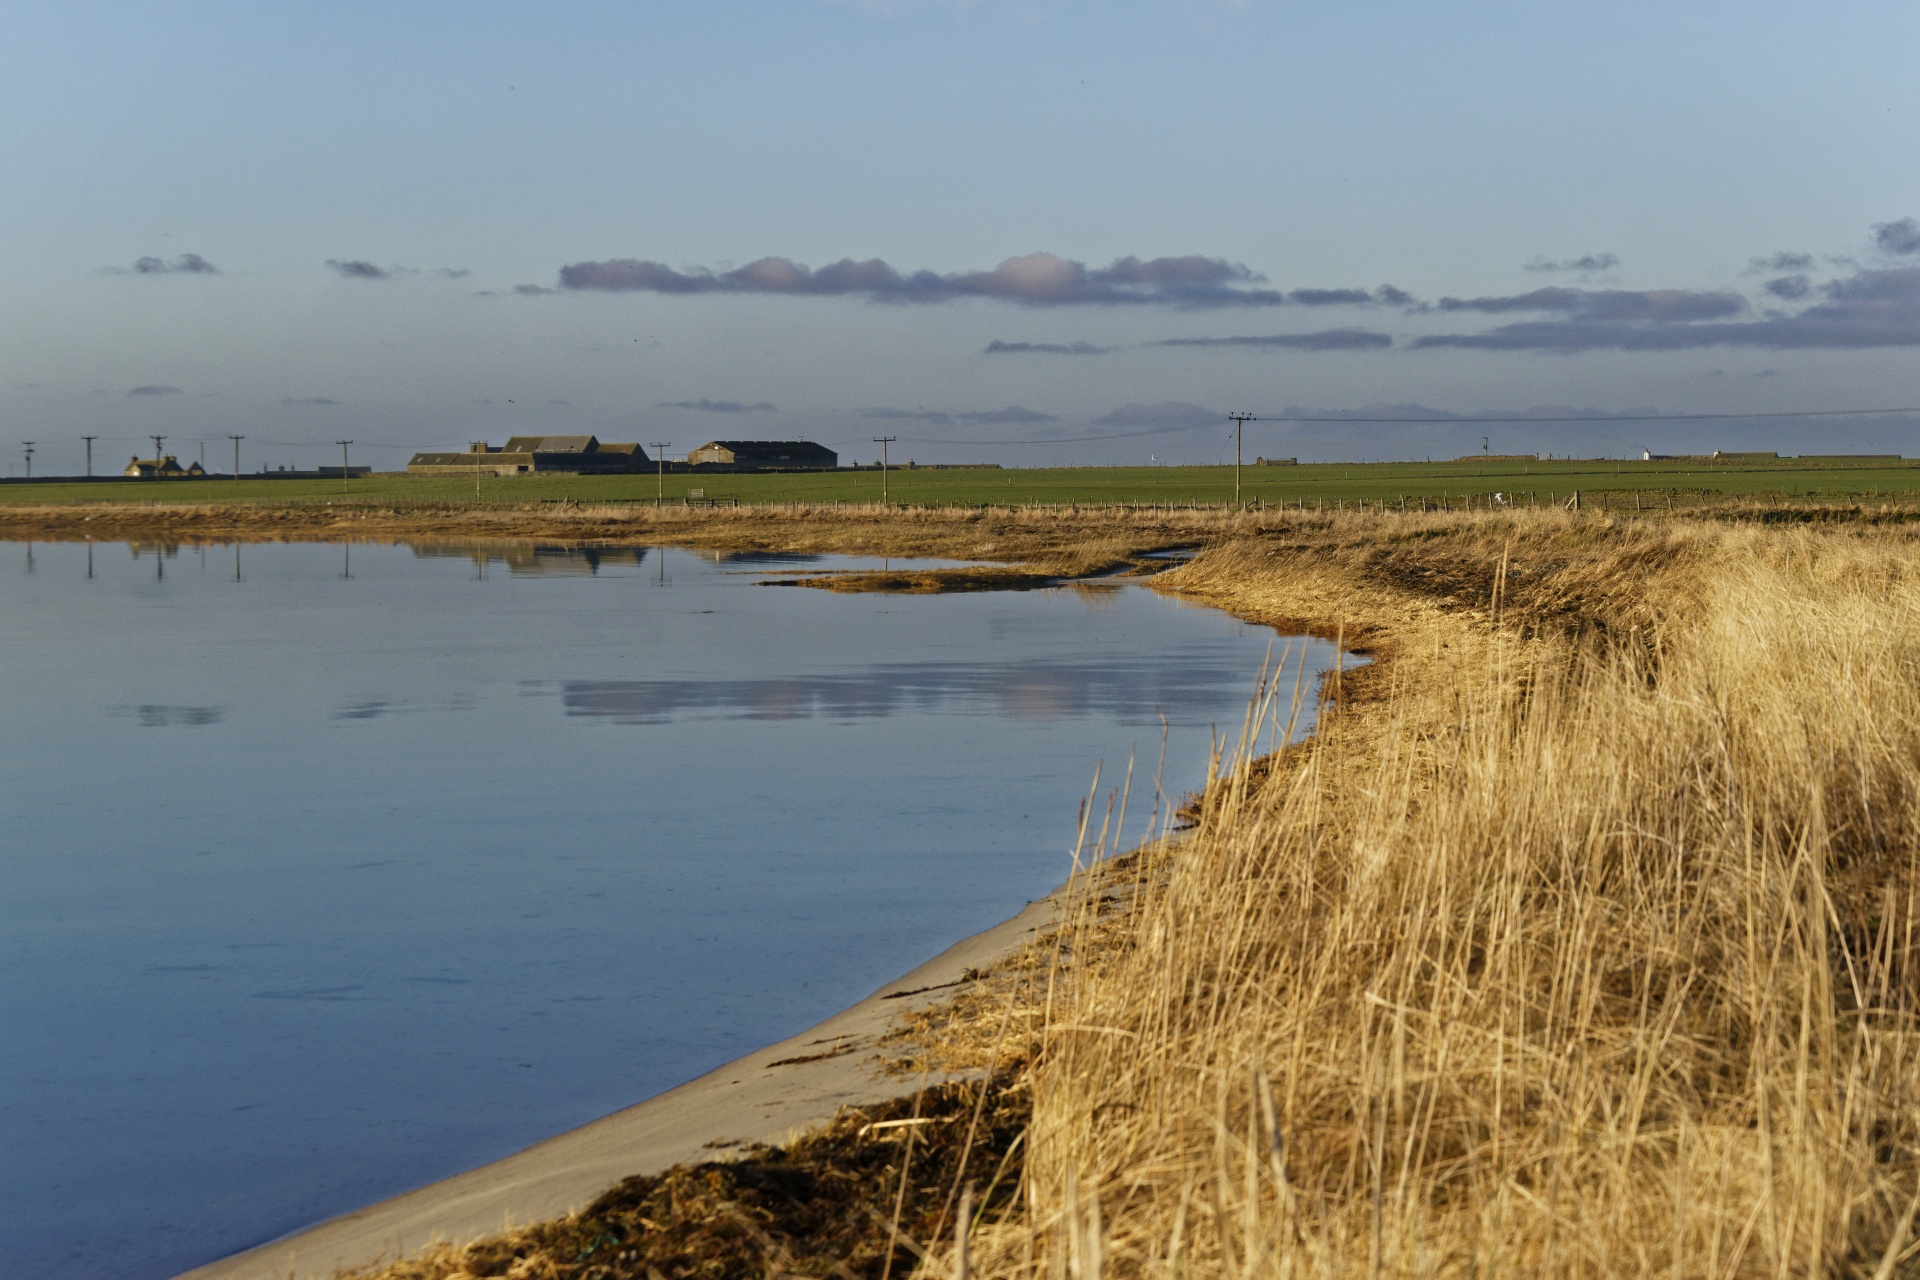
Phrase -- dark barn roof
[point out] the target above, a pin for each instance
(552, 444)
(773, 453)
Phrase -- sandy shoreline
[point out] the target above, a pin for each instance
(769, 1096)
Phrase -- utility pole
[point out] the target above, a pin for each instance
(28, 446)
(1240, 420)
(343, 463)
(236, 454)
(883, 442)
(89, 440)
(203, 457)
(156, 453)
(660, 448)
(1484, 448)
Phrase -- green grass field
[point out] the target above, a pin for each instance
(1689, 482)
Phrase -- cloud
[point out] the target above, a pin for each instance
(1012, 414)
(1902, 237)
(1330, 297)
(452, 273)
(1035, 279)
(1386, 293)
(1868, 309)
(1323, 340)
(154, 389)
(1170, 413)
(717, 406)
(1781, 261)
(316, 400)
(1790, 288)
(999, 348)
(187, 264)
(1610, 304)
(358, 269)
(1586, 264)
(532, 290)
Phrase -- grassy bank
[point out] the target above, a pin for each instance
(1578, 940)
(1684, 483)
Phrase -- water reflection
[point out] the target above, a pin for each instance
(155, 716)
(535, 557)
(717, 557)
(1135, 692)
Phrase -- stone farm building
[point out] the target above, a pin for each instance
(772, 455)
(521, 455)
(164, 468)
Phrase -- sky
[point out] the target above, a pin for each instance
(1029, 233)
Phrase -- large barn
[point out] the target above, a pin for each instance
(773, 455)
(523, 454)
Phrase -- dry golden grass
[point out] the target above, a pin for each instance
(1580, 943)
(1579, 940)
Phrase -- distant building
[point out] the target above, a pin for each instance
(524, 454)
(162, 468)
(774, 455)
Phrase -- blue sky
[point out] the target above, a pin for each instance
(419, 224)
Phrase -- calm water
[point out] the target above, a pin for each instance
(327, 871)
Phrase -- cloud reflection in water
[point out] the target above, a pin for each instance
(1134, 692)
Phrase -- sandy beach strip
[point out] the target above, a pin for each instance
(767, 1096)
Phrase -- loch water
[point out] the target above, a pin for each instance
(329, 870)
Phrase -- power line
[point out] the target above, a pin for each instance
(660, 448)
(1222, 420)
(883, 442)
(1622, 417)
(1515, 420)
(1240, 421)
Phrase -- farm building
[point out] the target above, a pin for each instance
(524, 454)
(164, 468)
(777, 455)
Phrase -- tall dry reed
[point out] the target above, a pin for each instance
(1583, 951)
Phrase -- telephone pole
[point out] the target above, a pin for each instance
(236, 453)
(156, 452)
(1240, 420)
(883, 442)
(28, 446)
(660, 448)
(89, 440)
(343, 463)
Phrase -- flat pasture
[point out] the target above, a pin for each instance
(1685, 482)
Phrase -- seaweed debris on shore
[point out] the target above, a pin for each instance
(868, 1195)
